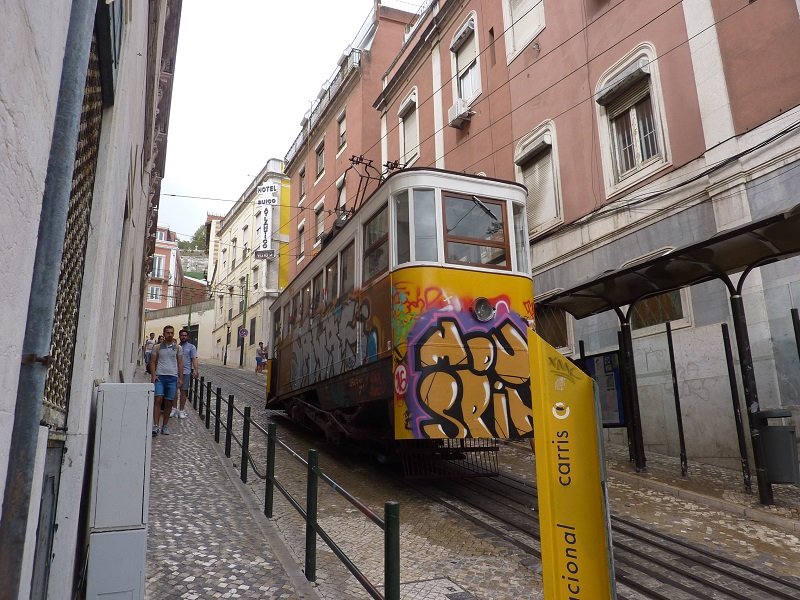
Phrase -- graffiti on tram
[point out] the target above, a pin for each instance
(465, 379)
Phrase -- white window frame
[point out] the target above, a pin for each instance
(301, 241)
(319, 153)
(408, 106)
(341, 123)
(518, 35)
(319, 218)
(160, 236)
(537, 141)
(158, 272)
(658, 329)
(639, 63)
(341, 192)
(302, 185)
(154, 297)
(255, 278)
(468, 28)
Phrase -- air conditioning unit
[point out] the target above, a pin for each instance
(458, 113)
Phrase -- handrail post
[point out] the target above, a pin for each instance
(216, 416)
(196, 388)
(391, 558)
(208, 406)
(200, 406)
(245, 445)
(270, 486)
(199, 393)
(311, 516)
(229, 426)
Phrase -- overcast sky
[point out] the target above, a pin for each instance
(245, 74)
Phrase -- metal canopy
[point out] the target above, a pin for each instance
(755, 244)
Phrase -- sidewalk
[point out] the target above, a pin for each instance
(207, 537)
(715, 487)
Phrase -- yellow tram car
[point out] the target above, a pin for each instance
(407, 331)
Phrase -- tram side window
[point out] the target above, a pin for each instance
(306, 302)
(332, 282)
(425, 226)
(297, 310)
(475, 231)
(402, 227)
(276, 327)
(521, 238)
(316, 291)
(288, 317)
(376, 244)
(348, 270)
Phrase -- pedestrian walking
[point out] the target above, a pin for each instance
(261, 356)
(148, 348)
(166, 374)
(190, 371)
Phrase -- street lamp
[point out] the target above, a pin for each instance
(227, 343)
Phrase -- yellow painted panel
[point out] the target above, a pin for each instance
(454, 376)
(573, 507)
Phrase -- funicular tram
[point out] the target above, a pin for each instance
(407, 331)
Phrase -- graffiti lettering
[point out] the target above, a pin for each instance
(469, 379)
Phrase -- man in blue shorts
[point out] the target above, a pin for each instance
(166, 374)
(190, 371)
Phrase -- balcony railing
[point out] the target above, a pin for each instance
(158, 274)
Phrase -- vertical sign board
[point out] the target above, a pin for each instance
(267, 199)
(573, 506)
(605, 370)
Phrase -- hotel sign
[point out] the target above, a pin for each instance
(267, 199)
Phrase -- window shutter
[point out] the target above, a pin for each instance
(628, 98)
(466, 53)
(410, 134)
(538, 178)
(524, 20)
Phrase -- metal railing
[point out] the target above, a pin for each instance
(389, 523)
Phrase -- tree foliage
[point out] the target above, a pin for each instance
(198, 241)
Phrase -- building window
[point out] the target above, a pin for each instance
(255, 278)
(376, 245)
(160, 236)
(319, 222)
(464, 51)
(342, 130)
(244, 251)
(524, 20)
(474, 232)
(253, 331)
(409, 129)
(537, 168)
(233, 253)
(655, 311)
(302, 184)
(320, 158)
(301, 243)
(221, 299)
(158, 266)
(155, 293)
(552, 325)
(341, 193)
(631, 127)
(224, 259)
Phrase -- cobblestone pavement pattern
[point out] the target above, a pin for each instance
(443, 556)
(203, 539)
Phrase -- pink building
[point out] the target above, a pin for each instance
(637, 128)
(340, 125)
(166, 277)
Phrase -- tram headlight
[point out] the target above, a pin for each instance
(481, 309)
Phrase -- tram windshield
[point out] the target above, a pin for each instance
(475, 231)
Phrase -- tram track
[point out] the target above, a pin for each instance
(649, 564)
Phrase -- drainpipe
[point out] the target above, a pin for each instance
(42, 299)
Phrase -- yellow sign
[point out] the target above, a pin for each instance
(573, 507)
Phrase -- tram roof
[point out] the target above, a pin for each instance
(752, 245)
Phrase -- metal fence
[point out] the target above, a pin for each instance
(389, 523)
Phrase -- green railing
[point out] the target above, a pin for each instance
(390, 523)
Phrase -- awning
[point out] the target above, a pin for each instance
(755, 244)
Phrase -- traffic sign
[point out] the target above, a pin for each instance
(243, 333)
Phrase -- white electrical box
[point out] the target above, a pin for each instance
(120, 491)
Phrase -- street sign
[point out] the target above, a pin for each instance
(243, 333)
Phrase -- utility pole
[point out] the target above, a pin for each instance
(244, 320)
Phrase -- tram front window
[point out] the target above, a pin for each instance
(475, 231)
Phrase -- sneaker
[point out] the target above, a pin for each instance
(173, 413)
(155, 429)
(182, 414)
(165, 430)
